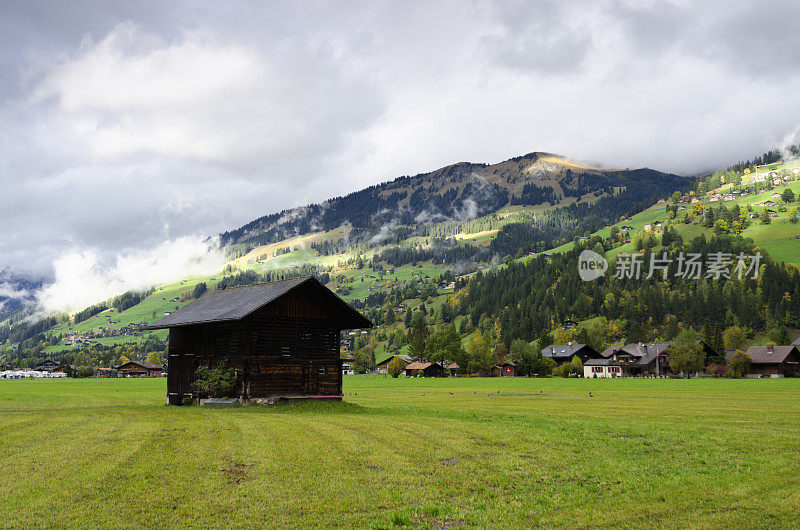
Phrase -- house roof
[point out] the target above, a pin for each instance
(452, 366)
(645, 353)
(765, 355)
(419, 366)
(601, 362)
(796, 343)
(562, 350)
(143, 364)
(404, 358)
(235, 303)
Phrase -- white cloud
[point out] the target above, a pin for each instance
(84, 278)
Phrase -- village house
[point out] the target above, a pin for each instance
(645, 358)
(640, 359)
(452, 369)
(383, 366)
(140, 369)
(424, 369)
(506, 369)
(602, 368)
(570, 324)
(562, 353)
(773, 361)
(48, 366)
(281, 338)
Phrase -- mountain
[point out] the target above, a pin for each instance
(461, 192)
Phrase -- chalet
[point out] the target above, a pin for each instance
(626, 228)
(506, 369)
(383, 366)
(776, 195)
(562, 353)
(48, 366)
(140, 369)
(658, 223)
(645, 358)
(570, 325)
(281, 338)
(772, 213)
(640, 359)
(602, 368)
(424, 369)
(452, 369)
(774, 361)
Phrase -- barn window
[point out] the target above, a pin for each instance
(322, 370)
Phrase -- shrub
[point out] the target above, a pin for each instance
(396, 367)
(739, 365)
(217, 382)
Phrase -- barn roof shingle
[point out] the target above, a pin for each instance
(237, 302)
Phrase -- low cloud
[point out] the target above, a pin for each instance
(84, 278)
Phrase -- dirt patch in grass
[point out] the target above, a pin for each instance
(236, 472)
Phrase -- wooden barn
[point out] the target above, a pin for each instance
(282, 338)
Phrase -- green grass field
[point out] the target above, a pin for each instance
(441, 453)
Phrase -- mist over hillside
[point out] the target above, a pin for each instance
(462, 192)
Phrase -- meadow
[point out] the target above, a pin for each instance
(444, 453)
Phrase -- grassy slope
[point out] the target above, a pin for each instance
(642, 453)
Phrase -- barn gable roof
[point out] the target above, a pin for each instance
(235, 303)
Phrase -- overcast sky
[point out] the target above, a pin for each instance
(127, 124)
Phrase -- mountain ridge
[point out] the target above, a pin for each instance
(459, 191)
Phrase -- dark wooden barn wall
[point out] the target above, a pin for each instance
(290, 347)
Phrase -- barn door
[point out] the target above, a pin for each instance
(179, 370)
(309, 378)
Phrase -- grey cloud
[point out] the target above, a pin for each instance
(212, 114)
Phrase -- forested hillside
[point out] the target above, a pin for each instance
(465, 191)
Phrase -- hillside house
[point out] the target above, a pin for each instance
(570, 325)
(774, 361)
(506, 369)
(281, 338)
(562, 353)
(424, 369)
(383, 366)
